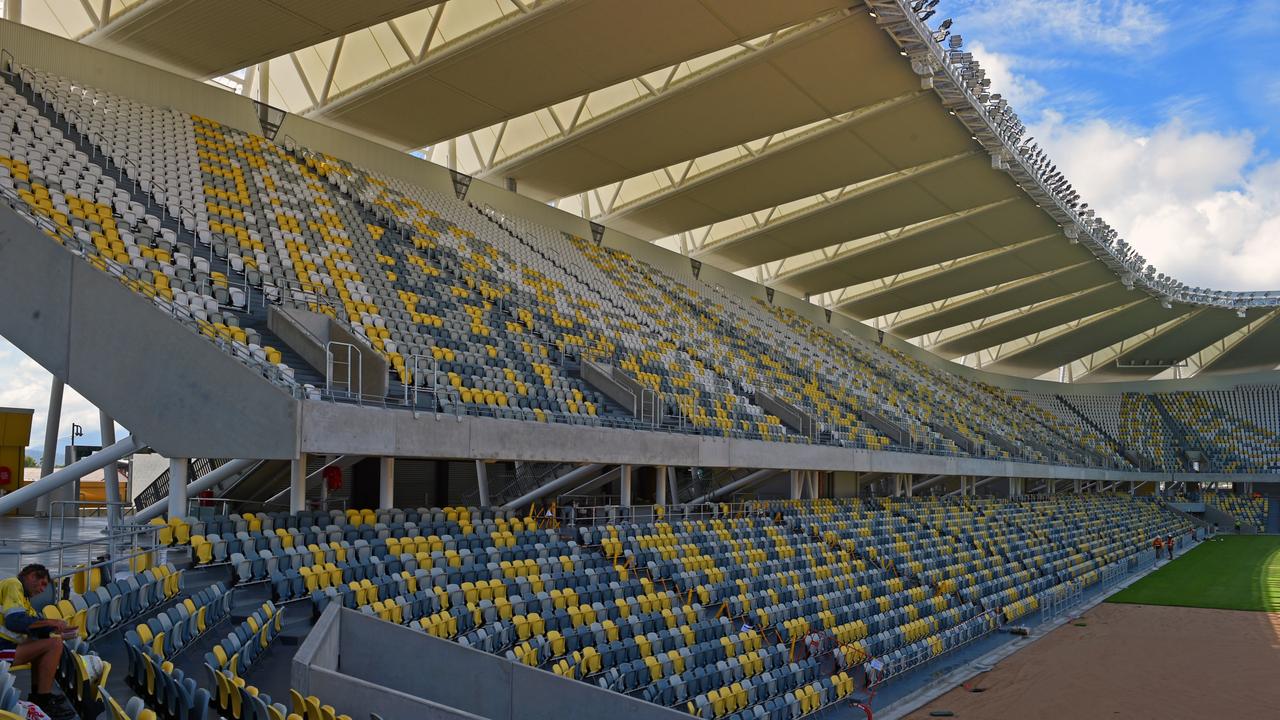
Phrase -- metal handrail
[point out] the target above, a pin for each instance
(329, 359)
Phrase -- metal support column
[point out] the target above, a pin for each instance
(178, 468)
(674, 491)
(626, 486)
(110, 478)
(387, 483)
(813, 484)
(482, 483)
(795, 484)
(51, 422)
(298, 484)
(660, 485)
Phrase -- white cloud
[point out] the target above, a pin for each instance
(1113, 26)
(1189, 200)
(1021, 91)
(24, 384)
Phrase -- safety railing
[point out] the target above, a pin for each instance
(66, 559)
(352, 364)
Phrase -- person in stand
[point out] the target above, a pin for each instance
(1158, 545)
(1237, 527)
(1168, 544)
(27, 638)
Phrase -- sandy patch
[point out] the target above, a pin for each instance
(1134, 661)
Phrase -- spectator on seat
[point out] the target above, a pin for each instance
(25, 638)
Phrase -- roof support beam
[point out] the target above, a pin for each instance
(775, 43)
(849, 251)
(769, 150)
(829, 199)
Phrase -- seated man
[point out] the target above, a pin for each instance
(25, 638)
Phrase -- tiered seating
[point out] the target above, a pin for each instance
(94, 608)
(1251, 510)
(1238, 444)
(1142, 429)
(487, 314)
(79, 204)
(656, 610)
(169, 632)
(235, 655)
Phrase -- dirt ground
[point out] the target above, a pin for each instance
(1134, 662)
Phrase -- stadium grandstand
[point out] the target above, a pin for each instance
(662, 373)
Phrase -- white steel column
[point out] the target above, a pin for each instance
(626, 486)
(813, 484)
(482, 483)
(177, 487)
(660, 485)
(110, 478)
(795, 484)
(13, 10)
(298, 484)
(387, 483)
(51, 422)
(673, 492)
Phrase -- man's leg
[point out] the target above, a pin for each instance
(44, 656)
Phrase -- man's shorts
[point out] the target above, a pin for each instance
(8, 651)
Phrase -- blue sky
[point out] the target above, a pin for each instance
(1160, 111)
(1139, 61)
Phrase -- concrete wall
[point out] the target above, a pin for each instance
(345, 661)
(336, 429)
(304, 332)
(155, 376)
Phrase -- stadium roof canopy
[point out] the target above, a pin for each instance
(845, 151)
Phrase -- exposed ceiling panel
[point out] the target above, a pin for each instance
(992, 226)
(904, 132)
(1009, 297)
(800, 79)
(559, 51)
(203, 38)
(1175, 344)
(1090, 337)
(1256, 352)
(953, 184)
(1048, 316)
(1032, 257)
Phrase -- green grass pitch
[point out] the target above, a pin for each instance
(1240, 572)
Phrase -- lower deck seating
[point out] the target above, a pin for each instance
(728, 616)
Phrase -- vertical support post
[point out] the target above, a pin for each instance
(298, 484)
(1078, 486)
(178, 487)
(482, 483)
(813, 484)
(387, 483)
(51, 422)
(795, 484)
(110, 478)
(13, 11)
(264, 83)
(674, 490)
(626, 486)
(660, 485)
(910, 486)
